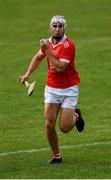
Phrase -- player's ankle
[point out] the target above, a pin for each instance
(56, 155)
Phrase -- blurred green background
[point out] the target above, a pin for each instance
(22, 24)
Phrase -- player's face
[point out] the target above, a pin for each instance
(57, 30)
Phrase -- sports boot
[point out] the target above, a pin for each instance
(55, 160)
(80, 122)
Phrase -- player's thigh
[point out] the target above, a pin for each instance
(66, 119)
(51, 112)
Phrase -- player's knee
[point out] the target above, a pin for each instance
(64, 129)
(49, 126)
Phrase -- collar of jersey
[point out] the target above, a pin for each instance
(60, 42)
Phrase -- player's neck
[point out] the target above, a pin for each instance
(56, 41)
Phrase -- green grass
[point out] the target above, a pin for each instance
(22, 24)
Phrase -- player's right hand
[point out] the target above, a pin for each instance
(23, 78)
(44, 43)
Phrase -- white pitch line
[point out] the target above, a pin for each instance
(47, 149)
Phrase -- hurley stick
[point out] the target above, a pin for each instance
(29, 86)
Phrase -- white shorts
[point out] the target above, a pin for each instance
(67, 98)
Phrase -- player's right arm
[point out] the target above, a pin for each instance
(33, 65)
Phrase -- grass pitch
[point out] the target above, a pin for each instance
(24, 150)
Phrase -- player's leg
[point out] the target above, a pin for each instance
(68, 119)
(70, 115)
(50, 113)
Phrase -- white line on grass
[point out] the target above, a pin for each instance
(47, 149)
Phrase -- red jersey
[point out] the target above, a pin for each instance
(64, 51)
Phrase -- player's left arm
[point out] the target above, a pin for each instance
(59, 64)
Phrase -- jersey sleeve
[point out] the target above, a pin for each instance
(68, 52)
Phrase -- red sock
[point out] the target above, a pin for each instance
(56, 154)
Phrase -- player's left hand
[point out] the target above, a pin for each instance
(44, 43)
